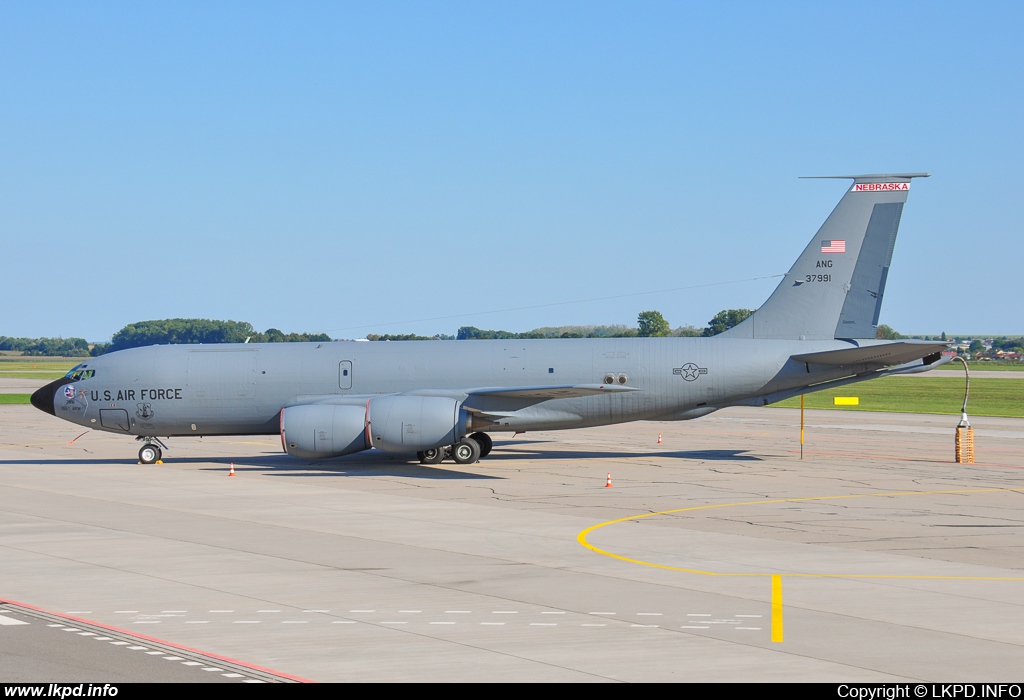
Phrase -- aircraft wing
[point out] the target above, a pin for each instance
(884, 355)
(495, 402)
(543, 393)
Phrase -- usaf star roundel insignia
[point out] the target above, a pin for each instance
(690, 371)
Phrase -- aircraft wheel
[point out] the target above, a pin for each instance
(485, 442)
(149, 454)
(466, 451)
(435, 455)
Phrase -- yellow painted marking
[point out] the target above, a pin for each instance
(776, 608)
(582, 537)
(846, 401)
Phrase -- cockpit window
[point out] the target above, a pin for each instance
(80, 372)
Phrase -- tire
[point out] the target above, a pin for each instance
(485, 442)
(435, 455)
(466, 451)
(150, 454)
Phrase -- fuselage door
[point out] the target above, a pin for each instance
(115, 419)
(345, 374)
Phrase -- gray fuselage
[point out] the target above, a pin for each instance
(172, 390)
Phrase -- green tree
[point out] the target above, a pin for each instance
(474, 333)
(885, 332)
(651, 324)
(201, 330)
(724, 320)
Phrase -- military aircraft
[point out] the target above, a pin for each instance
(446, 398)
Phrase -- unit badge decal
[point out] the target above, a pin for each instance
(690, 371)
(145, 411)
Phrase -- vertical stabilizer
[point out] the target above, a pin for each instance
(835, 288)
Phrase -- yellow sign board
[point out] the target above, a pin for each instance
(846, 401)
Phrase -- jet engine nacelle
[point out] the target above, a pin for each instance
(415, 423)
(320, 430)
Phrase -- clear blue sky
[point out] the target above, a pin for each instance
(333, 166)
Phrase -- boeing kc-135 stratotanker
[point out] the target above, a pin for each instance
(816, 331)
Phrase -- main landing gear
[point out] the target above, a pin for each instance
(150, 453)
(468, 450)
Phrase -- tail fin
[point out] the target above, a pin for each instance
(835, 288)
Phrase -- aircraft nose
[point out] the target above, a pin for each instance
(42, 398)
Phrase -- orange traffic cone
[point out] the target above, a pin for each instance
(659, 439)
(232, 472)
(608, 484)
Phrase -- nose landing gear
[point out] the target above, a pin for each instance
(150, 453)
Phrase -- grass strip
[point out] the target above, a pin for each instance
(982, 367)
(14, 399)
(941, 395)
(43, 364)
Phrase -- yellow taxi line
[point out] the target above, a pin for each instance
(582, 537)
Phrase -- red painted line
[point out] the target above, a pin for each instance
(366, 432)
(158, 641)
(280, 429)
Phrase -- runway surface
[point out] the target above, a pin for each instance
(891, 563)
(17, 385)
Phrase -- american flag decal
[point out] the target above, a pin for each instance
(833, 246)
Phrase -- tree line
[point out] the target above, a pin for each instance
(207, 331)
(50, 347)
(650, 324)
(162, 332)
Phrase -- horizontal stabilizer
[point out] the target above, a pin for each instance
(912, 367)
(543, 393)
(883, 355)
